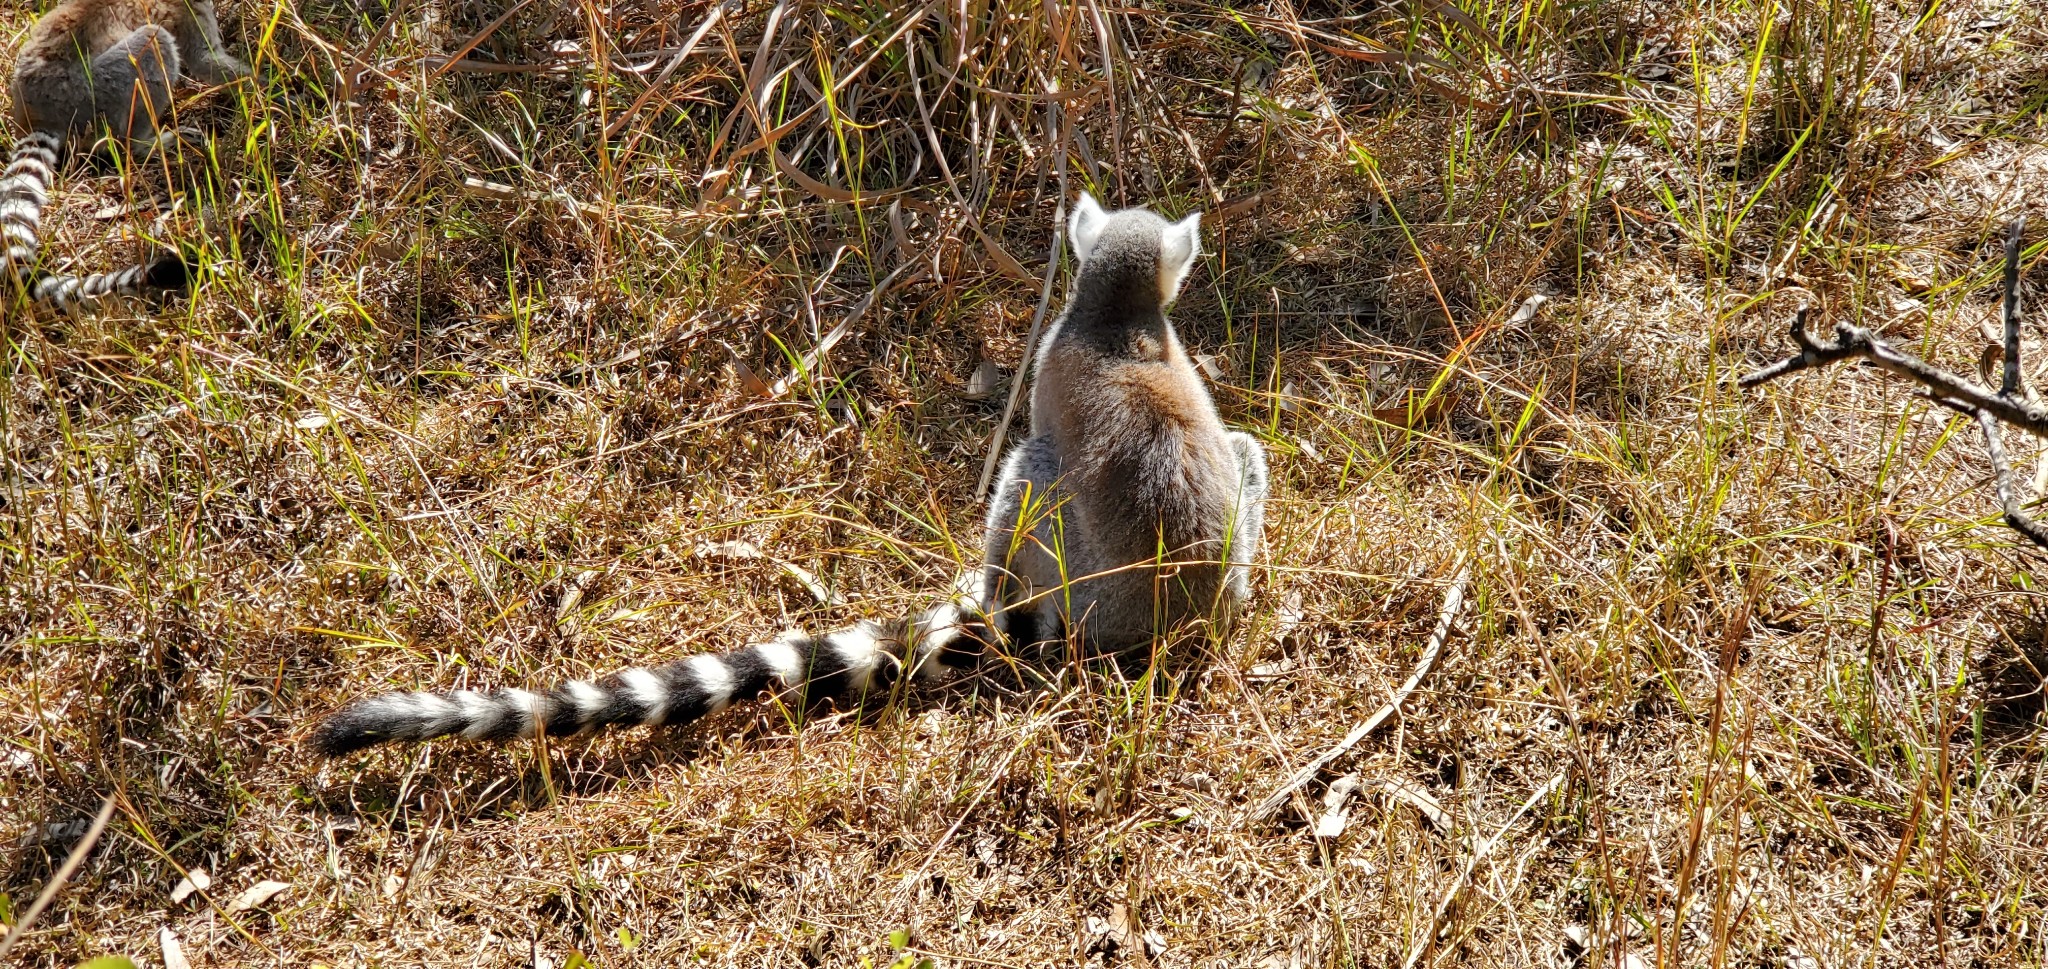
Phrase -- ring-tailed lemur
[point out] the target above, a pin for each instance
(1129, 511)
(89, 63)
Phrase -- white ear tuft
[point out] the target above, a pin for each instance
(1084, 226)
(1179, 246)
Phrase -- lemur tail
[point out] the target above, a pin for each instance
(847, 662)
(24, 193)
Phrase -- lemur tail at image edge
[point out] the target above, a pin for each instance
(24, 194)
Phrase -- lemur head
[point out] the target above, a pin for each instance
(1129, 239)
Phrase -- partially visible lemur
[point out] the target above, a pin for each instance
(89, 63)
(1128, 512)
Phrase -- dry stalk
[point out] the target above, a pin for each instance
(2007, 405)
(1454, 602)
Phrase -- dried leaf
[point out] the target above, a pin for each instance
(572, 594)
(174, 953)
(1331, 825)
(196, 880)
(1418, 797)
(256, 895)
(1415, 412)
(729, 550)
(811, 583)
(748, 550)
(1290, 397)
(748, 380)
(1121, 934)
(986, 380)
(1270, 671)
(1527, 311)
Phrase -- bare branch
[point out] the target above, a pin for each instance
(2008, 492)
(2008, 405)
(1857, 342)
(1454, 602)
(2011, 384)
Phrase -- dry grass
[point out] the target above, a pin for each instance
(1771, 663)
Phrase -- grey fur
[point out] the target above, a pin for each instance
(1128, 469)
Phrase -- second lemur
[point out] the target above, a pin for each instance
(88, 65)
(1130, 513)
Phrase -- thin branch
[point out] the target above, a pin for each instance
(1056, 119)
(2008, 405)
(1454, 602)
(2008, 492)
(1855, 342)
(2012, 309)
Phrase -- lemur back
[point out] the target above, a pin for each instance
(1131, 509)
(1129, 512)
(89, 64)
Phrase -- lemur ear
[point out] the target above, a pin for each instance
(1084, 226)
(1179, 246)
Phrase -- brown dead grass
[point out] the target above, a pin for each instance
(1774, 652)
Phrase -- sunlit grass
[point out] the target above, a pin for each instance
(475, 394)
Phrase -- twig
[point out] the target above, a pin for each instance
(1443, 907)
(1855, 342)
(77, 857)
(2008, 494)
(1059, 120)
(809, 362)
(2011, 309)
(2009, 404)
(1454, 602)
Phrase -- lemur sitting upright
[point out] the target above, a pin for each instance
(1129, 511)
(88, 64)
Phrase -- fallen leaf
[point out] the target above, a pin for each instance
(1269, 671)
(729, 550)
(1415, 412)
(1331, 825)
(985, 381)
(1121, 934)
(257, 894)
(748, 380)
(1290, 398)
(174, 953)
(1527, 311)
(812, 584)
(1418, 797)
(196, 880)
(572, 596)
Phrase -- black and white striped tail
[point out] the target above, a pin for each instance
(845, 663)
(24, 193)
(67, 293)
